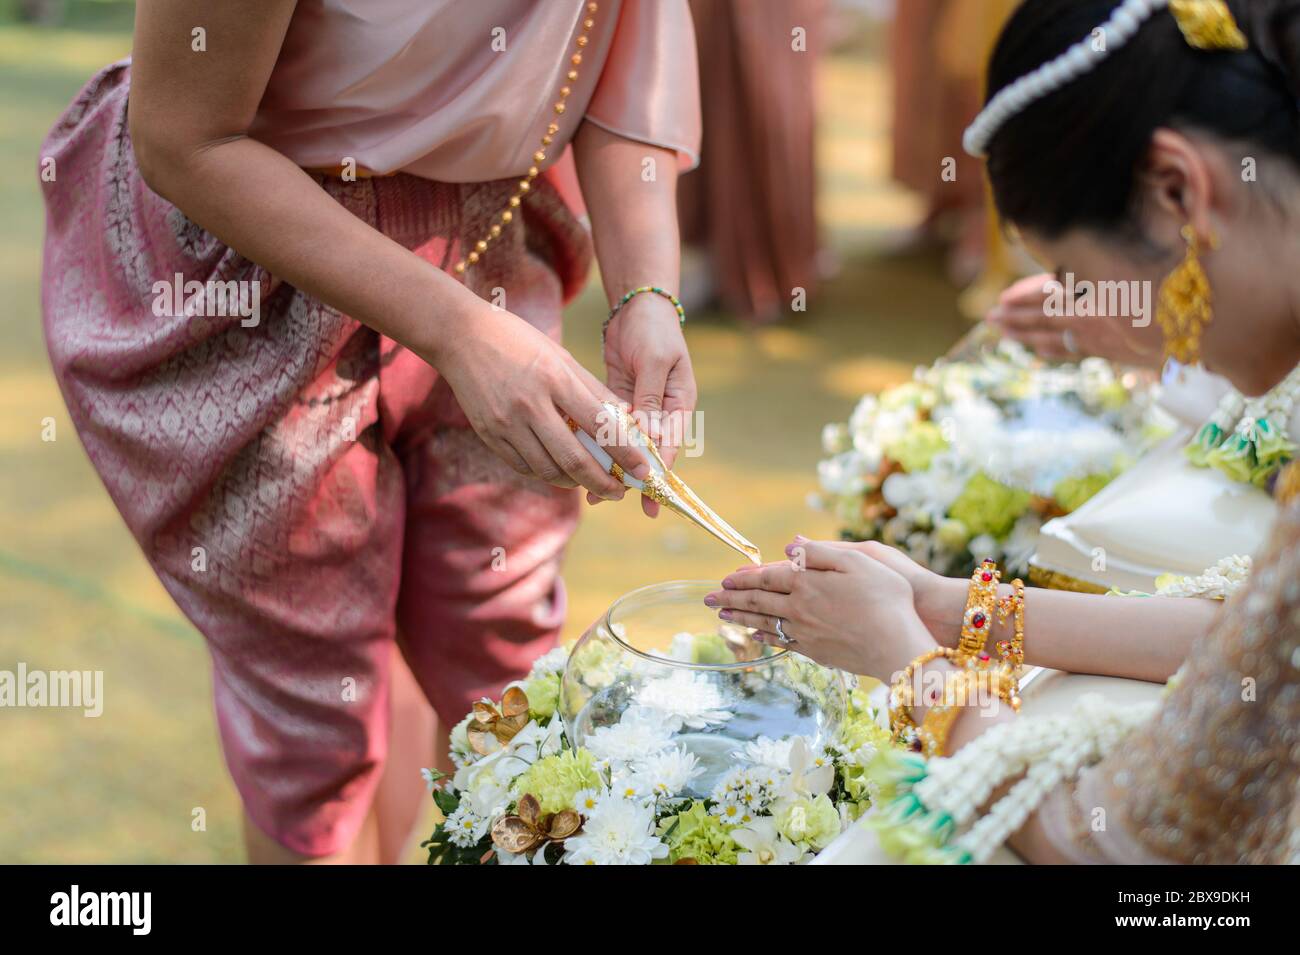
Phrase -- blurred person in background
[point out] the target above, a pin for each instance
(937, 55)
(750, 208)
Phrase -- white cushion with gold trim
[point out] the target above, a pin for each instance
(1162, 516)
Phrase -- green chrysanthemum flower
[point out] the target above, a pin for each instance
(1072, 493)
(555, 780)
(986, 506)
(695, 834)
(543, 694)
(916, 449)
(808, 822)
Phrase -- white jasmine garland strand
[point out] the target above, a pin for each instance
(1230, 409)
(1081, 58)
(1217, 583)
(1275, 405)
(960, 787)
(1044, 752)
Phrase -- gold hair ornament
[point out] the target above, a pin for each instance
(1208, 24)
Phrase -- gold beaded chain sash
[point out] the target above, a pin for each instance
(507, 215)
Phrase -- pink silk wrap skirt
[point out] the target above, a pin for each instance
(307, 490)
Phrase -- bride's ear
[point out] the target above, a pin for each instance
(1178, 187)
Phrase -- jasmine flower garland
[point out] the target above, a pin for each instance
(1248, 440)
(929, 809)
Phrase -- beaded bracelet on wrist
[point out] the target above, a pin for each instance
(654, 290)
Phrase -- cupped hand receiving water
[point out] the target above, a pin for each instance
(851, 606)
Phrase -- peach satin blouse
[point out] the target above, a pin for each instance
(462, 90)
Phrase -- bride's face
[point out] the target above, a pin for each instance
(1253, 268)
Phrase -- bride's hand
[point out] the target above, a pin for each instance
(840, 605)
(939, 601)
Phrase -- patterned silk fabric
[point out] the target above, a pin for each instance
(1213, 778)
(305, 487)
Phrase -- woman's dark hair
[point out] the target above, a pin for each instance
(1070, 160)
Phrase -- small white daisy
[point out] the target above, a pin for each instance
(464, 828)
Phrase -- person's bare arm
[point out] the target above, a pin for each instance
(631, 192)
(190, 112)
(1141, 638)
(189, 116)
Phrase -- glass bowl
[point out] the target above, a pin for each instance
(659, 657)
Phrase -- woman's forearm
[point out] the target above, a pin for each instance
(262, 205)
(189, 114)
(630, 190)
(1141, 638)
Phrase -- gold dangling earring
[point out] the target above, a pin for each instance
(1184, 306)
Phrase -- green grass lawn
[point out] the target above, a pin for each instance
(76, 594)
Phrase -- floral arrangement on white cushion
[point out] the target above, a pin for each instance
(970, 458)
(522, 795)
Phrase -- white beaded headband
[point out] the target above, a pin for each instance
(1206, 25)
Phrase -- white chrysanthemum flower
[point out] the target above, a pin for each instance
(550, 663)
(618, 832)
(749, 788)
(464, 828)
(1021, 544)
(764, 845)
(641, 732)
(766, 751)
(846, 473)
(627, 785)
(687, 699)
(668, 773)
(985, 545)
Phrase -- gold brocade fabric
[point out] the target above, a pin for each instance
(1213, 778)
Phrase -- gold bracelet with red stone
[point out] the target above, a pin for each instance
(937, 725)
(902, 724)
(1012, 651)
(981, 607)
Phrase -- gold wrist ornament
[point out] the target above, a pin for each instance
(1012, 651)
(901, 696)
(937, 725)
(983, 607)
